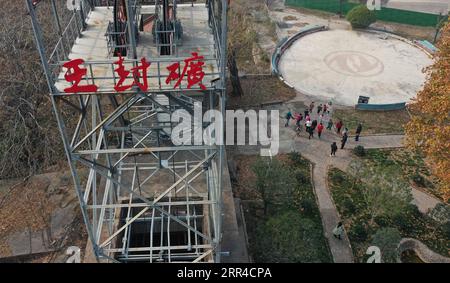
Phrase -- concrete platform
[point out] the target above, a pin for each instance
(92, 46)
(341, 65)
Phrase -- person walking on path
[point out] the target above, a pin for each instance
(311, 132)
(358, 132)
(288, 117)
(345, 131)
(306, 112)
(325, 109)
(338, 231)
(298, 119)
(329, 108)
(311, 107)
(344, 140)
(308, 125)
(334, 149)
(320, 129)
(330, 124)
(298, 124)
(339, 127)
(312, 129)
(319, 109)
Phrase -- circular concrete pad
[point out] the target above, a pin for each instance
(341, 65)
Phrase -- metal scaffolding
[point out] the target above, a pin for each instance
(143, 198)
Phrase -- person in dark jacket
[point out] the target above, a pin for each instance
(311, 132)
(288, 117)
(334, 149)
(344, 140)
(358, 132)
(319, 108)
(330, 124)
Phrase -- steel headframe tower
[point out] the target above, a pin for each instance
(143, 198)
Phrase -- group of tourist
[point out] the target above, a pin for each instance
(324, 113)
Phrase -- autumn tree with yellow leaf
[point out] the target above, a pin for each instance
(429, 129)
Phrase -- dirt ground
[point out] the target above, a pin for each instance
(41, 205)
(261, 89)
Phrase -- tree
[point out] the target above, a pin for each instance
(29, 139)
(429, 128)
(383, 192)
(361, 17)
(387, 239)
(274, 183)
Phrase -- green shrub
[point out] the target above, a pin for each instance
(440, 213)
(337, 178)
(414, 211)
(307, 207)
(404, 222)
(349, 206)
(361, 17)
(359, 151)
(419, 180)
(301, 177)
(358, 232)
(446, 229)
(298, 160)
(387, 239)
(382, 220)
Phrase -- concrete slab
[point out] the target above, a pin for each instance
(234, 239)
(92, 46)
(341, 65)
(26, 242)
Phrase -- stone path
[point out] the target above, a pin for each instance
(424, 201)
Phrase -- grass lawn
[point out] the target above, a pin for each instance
(291, 230)
(350, 201)
(389, 122)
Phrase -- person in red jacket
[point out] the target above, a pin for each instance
(320, 129)
(339, 126)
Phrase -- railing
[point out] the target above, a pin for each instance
(102, 74)
(285, 43)
(216, 30)
(381, 107)
(64, 45)
(111, 34)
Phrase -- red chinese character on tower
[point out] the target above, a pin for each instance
(74, 75)
(193, 69)
(139, 72)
